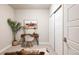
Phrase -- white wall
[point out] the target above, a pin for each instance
(40, 15)
(5, 32)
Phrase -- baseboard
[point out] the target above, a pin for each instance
(44, 43)
(5, 48)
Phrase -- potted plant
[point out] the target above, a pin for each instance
(15, 26)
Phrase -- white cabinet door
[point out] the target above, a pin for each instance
(51, 31)
(71, 29)
(59, 31)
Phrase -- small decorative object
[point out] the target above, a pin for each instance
(14, 43)
(47, 50)
(15, 26)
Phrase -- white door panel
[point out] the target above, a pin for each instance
(58, 31)
(72, 51)
(51, 31)
(74, 23)
(74, 34)
(71, 14)
(73, 44)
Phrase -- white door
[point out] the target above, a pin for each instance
(51, 32)
(59, 31)
(71, 29)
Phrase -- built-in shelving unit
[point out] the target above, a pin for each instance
(30, 27)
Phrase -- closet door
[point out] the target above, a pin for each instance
(59, 31)
(51, 32)
(72, 37)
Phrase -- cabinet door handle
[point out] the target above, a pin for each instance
(65, 39)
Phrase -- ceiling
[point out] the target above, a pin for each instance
(30, 6)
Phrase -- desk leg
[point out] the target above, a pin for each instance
(37, 41)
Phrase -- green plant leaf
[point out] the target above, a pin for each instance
(15, 26)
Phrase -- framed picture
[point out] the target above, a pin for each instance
(30, 24)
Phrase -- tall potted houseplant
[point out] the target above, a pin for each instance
(15, 26)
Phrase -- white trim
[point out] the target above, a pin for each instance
(5, 48)
(44, 43)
